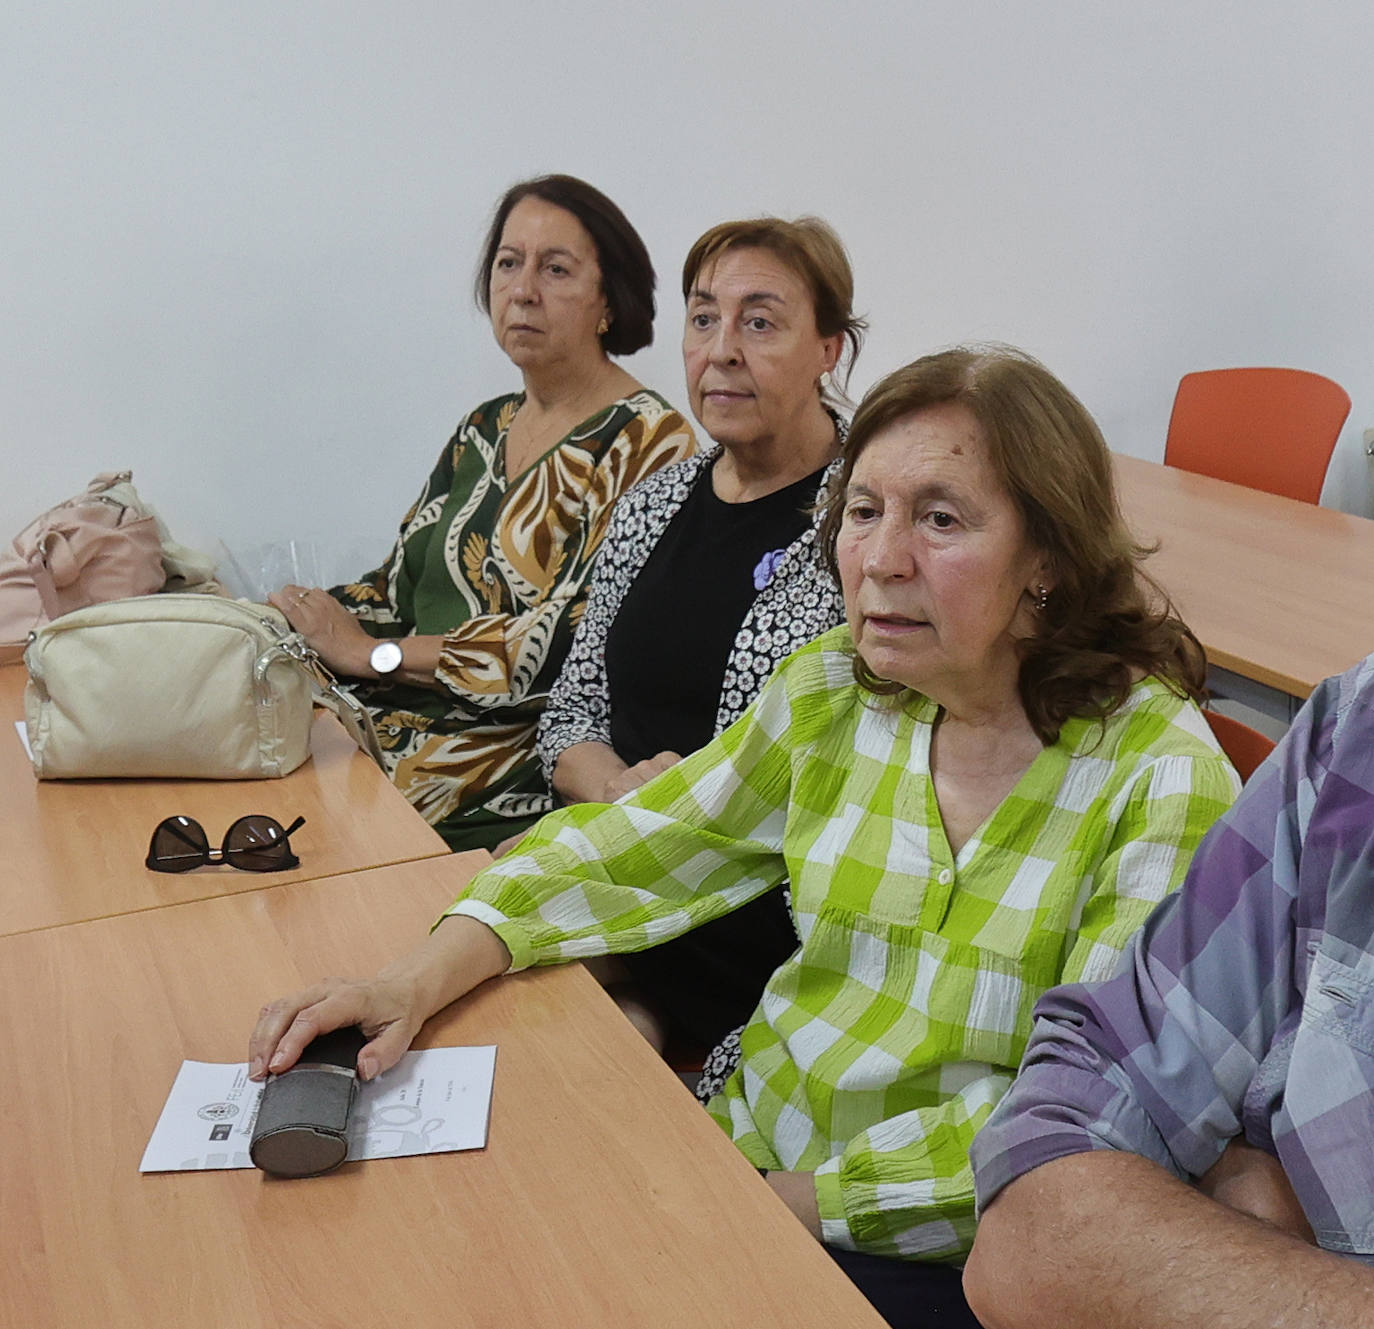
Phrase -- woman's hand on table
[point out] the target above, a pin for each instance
(640, 773)
(336, 636)
(390, 1008)
(385, 1011)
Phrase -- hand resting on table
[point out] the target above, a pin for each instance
(390, 1008)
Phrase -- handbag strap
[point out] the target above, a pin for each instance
(351, 713)
(356, 720)
(44, 583)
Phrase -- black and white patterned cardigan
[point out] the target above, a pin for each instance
(799, 603)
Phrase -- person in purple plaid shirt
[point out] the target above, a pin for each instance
(1129, 1176)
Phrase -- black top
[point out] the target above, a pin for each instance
(666, 655)
(667, 650)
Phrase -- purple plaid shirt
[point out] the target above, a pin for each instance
(1245, 1005)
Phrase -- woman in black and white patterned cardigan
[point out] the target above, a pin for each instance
(708, 577)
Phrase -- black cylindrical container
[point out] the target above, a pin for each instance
(302, 1125)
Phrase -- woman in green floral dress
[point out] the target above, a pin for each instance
(457, 638)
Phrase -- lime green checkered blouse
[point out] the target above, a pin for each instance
(881, 1046)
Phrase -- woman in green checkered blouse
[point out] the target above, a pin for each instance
(979, 788)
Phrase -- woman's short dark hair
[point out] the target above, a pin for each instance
(627, 274)
(810, 247)
(1105, 621)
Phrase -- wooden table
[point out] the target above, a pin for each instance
(605, 1196)
(74, 849)
(1279, 592)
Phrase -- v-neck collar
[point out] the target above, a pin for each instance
(518, 400)
(1049, 761)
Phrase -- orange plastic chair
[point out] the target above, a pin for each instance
(1270, 429)
(1246, 747)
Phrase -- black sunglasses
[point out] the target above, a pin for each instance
(254, 843)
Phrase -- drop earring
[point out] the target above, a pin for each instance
(824, 382)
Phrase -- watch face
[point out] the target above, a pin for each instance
(386, 657)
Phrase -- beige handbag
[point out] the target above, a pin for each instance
(176, 686)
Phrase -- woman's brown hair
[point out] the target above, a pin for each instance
(814, 252)
(1105, 621)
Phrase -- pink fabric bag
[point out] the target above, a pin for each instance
(97, 546)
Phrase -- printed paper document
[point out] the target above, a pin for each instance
(430, 1102)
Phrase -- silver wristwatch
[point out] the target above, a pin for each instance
(385, 658)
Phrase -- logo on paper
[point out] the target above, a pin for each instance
(221, 1132)
(218, 1112)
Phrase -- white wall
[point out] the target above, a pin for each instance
(236, 240)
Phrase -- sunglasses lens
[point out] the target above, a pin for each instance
(258, 844)
(178, 845)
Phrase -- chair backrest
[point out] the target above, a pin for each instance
(1245, 747)
(1270, 429)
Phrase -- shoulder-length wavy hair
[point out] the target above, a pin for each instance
(1105, 622)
